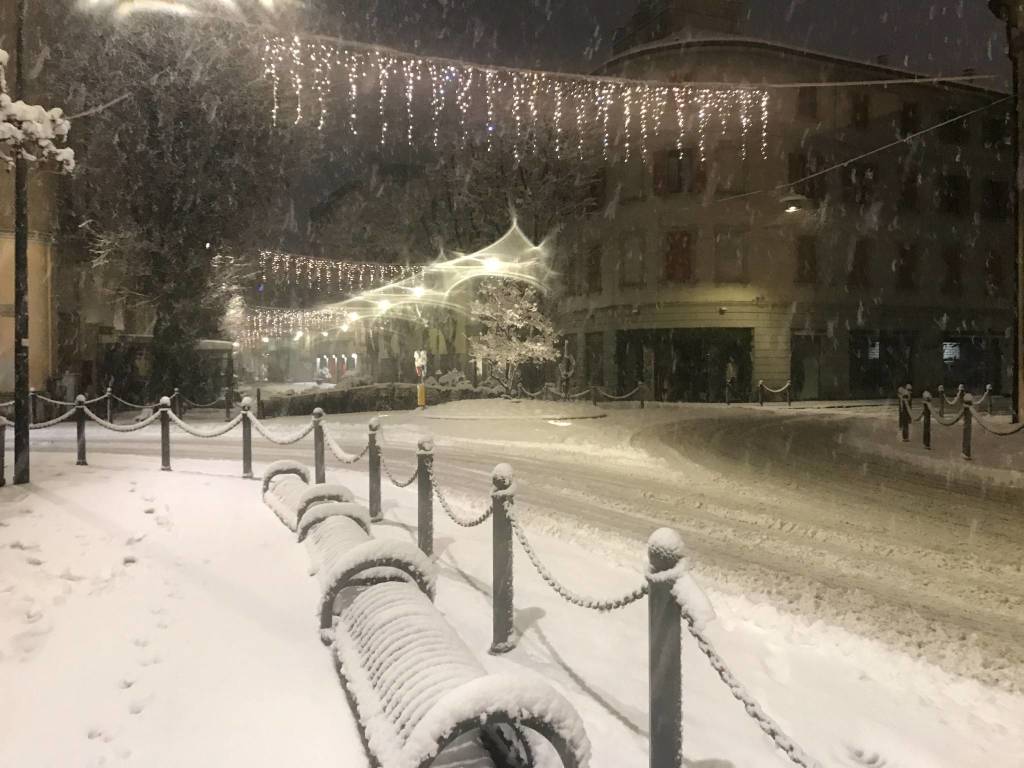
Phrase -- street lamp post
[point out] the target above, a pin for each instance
(21, 337)
(1012, 13)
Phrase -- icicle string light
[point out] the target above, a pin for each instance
(626, 114)
(337, 277)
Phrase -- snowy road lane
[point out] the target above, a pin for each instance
(773, 504)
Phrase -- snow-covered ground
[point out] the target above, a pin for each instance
(167, 619)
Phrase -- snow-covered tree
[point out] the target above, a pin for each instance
(513, 330)
(33, 132)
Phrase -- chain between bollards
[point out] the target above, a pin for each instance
(246, 438)
(425, 489)
(376, 515)
(968, 401)
(165, 434)
(319, 470)
(664, 625)
(80, 418)
(503, 637)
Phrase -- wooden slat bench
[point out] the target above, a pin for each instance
(419, 690)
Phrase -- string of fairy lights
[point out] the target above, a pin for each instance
(327, 275)
(626, 114)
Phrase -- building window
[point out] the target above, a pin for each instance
(802, 165)
(806, 260)
(631, 262)
(807, 103)
(954, 130)
(730, 257)
(860, 110)
(954, 194)
(910, 119)
(678, 256)
(905, 268)
(594, 270)
(859, 276)
(910, 184)
(995, 200)
(674, 172)
(859, 184)
(993, 273)
(995, 132)
(952, 281)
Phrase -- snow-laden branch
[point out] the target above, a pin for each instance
(30, 131)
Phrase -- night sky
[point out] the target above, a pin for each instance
(944, 36)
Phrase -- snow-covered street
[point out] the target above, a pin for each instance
(854, 610)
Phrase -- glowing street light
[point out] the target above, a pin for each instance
(493, 264)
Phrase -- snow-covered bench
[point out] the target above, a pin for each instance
(419, 691)
(339, 538)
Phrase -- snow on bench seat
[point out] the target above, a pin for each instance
(345, 555)
(418, 689)
(282, 495)
(287, 491)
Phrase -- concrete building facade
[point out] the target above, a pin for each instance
(896, 267)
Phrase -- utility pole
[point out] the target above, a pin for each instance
(21, 340)
(1012, 13)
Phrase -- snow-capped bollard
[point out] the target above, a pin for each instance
(960, 392)
(942, 401)
(644, 397)
(926, 421)
(319, 469)
(176, 404)
(110, 405)
(165, 434)
(789, 393)
(503, 637)
(900, 410)
(80, 429)
(374, 459)
(968, 419)
(988, 395)
(227, 403)
(425, 489)
(664, 554)
(910, 395)
(593, 394)
(905, 417)
(246, 438)
(760, 392)
(259, 403)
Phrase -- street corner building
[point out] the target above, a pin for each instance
(818, 260)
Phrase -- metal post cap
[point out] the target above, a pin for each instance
(988, 387)
(165, 402)
(969, 399)
(502, 476)
(246, 403)
(926, 396)
(318, 413)
(374, 424)
(425, 445)
(665, 549)
(110, 390)
(79, 399)
(941, 389)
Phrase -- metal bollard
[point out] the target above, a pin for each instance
(259, 403)
(425, 504)
(728, 400)
(503, 637)
(227, 404)
(110, 405)
(664, 622)
(905, 421)
(942, 401)
(165, 434)
(899, 409)
(319, 471)
(988, 394)
(593, 394)
(960, 392)
(760, 392)
(926, 422)
(80, 418)
(968, 423)
(374, 458)
(910, 396)
(643, 394)
(176, 402)
(3, 450)
(246, 438)
(789, 393)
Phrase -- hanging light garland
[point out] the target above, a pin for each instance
(261, 324)
(325, 275)
(512, 97)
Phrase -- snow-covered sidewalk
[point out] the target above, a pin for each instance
(161, 620)
(168, 619)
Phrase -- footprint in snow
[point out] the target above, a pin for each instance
(99, 733)
(23, 547)
(126, 683)
(149, 661)
(33, 561)
(129, 560)
(863, 757)
(134, 539)
(140, 642)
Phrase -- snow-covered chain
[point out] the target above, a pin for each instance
(391, 477)
(340, 454)
(46, 399)
(122, 427)
(769, 726)
(63, 417)
(562, 590)
(218, 432)
(199, 405)
(981, 423)
(618, 397)
(308, 429)
(452, 513)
